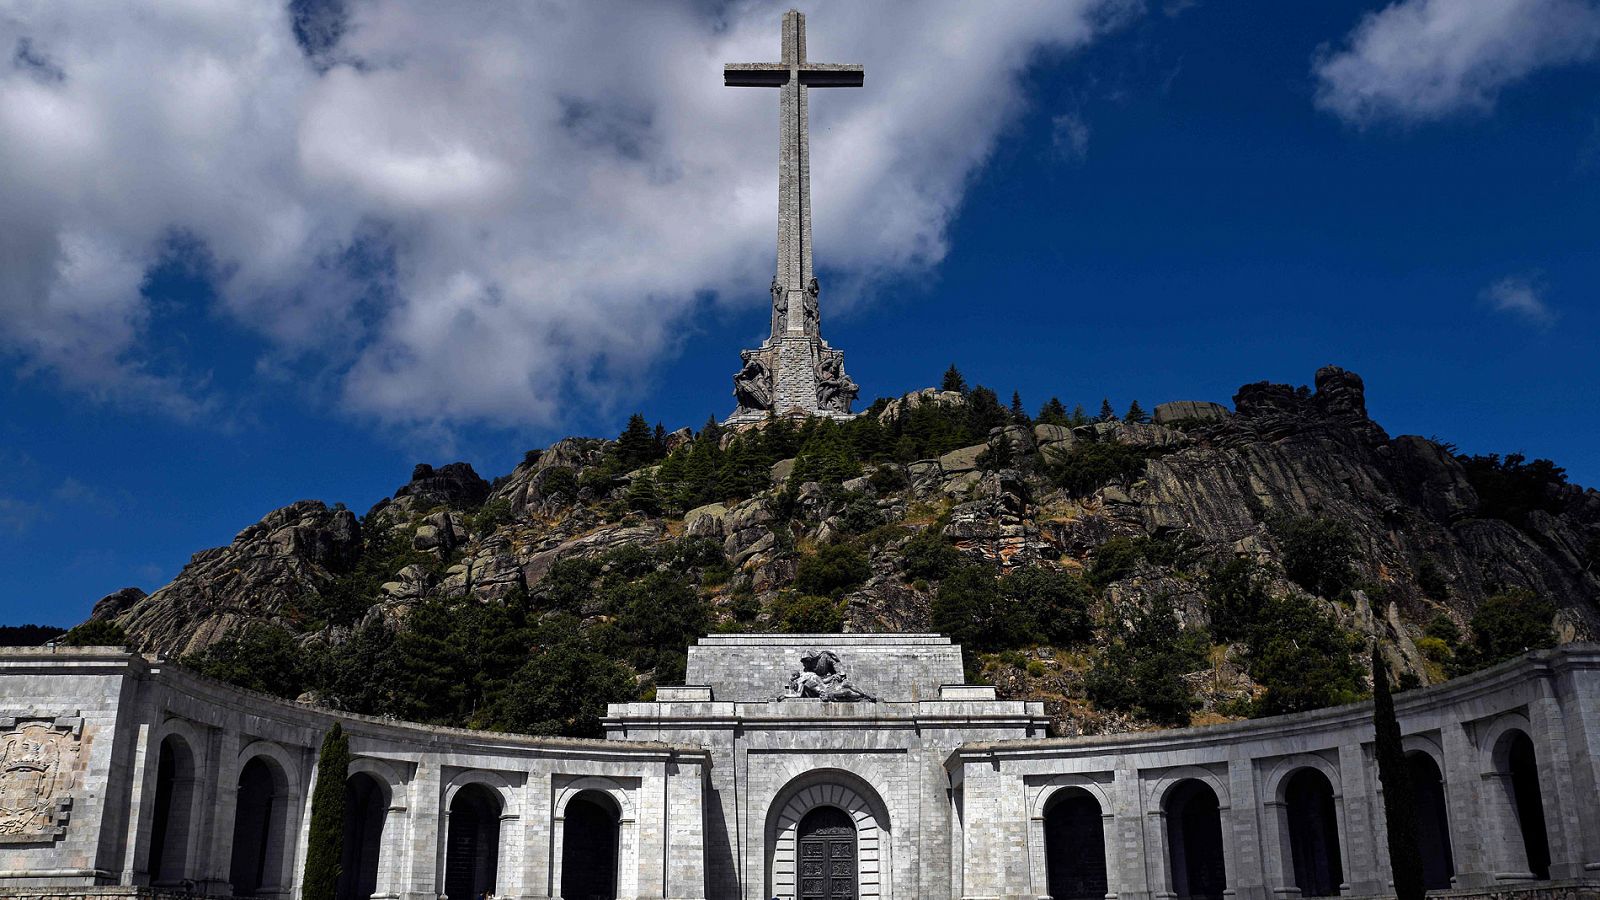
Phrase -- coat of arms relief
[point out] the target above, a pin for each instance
(39, 763)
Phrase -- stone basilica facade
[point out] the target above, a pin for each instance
(792, 766)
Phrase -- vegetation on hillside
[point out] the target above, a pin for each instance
(1151, 626)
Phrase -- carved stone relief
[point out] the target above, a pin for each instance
(39, 764)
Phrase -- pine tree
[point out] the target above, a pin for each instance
(1054, 412)
(1079, 417)
(953, 380)
(1107, 414)
(643, 496)
(1018, 414)
(1399, 807)
(636, 446)
(325, 842)
(1136, 414)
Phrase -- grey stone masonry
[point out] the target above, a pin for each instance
(123, 776)
(794, 372)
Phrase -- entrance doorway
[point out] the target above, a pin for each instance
(589, 847)
(827, 855)
(1194, 841)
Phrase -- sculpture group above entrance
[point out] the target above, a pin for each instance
(822, 678)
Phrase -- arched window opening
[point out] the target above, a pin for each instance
(1194, 841)
(591, 835)
(1313, 833)
(169, 823)
(472, 848)
(1075, 846)
(1528, 801)
(260, 817)
(1433, 821)
(364, 812)
(828, 868)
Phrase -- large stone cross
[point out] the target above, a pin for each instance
(792, 299)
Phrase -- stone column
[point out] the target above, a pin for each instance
(1241, 837)
(1126, 874)
(1463, 794)
(1360, 822)
(1557, 791)
(538, 812)
(684, 827)
(215, 860)
(420, 867)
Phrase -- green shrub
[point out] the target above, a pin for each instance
(1115, 559)
(562, 688)
(1432, 580)
(1236, 592)
(558, 480)
(929, 555)
(490, 516)
(1318, 554)
(808, 613)
(970, 608)
(1049, 606)
(832, 571)
(1512, 487)
(1142, 669)
(1435, 649)
(262, 658)
(95, 633)
(1088, 467)
(1505, 626)
(1302, 657)
(887, 479)
(1443, 628)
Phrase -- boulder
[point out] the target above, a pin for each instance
(964, 459)
(116, 603)
(898, 407)
(781, 470)
(1052, 434)
(705, 521)
(1189, 411)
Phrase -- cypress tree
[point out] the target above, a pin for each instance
(1017, 412)
(1136, 414)
(325, 843)
(1054, 412)
(1107, 414)
(1399, 806)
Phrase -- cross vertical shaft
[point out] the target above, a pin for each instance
(794, 307)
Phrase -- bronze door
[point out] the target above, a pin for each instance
(827, 855)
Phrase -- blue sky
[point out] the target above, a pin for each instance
(306, 290)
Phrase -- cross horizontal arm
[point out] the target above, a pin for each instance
(832, 75)
(755, 75)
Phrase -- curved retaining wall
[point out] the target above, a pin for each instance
(85, 733)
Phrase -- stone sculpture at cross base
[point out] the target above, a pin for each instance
(794, 371)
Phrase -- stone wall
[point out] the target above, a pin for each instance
(135, 709)
(951, 790)
(1463, 727)
(902, 667)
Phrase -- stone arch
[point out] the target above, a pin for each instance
(264, 821)
(850, 794)
(365, 820)
(489, 780)
(627, 839)
(1074, 823)
(391, 792)
(177, 803)
(1514, 796)
(1312, 820)
(1433, 814)
(1307, 830)
(472, 839)
(1197, 855)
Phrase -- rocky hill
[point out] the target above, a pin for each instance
(1232, 562)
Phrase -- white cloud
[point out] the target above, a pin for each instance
(467, 212)
(1069, 133)
(1419, 60)
(1519, 296)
